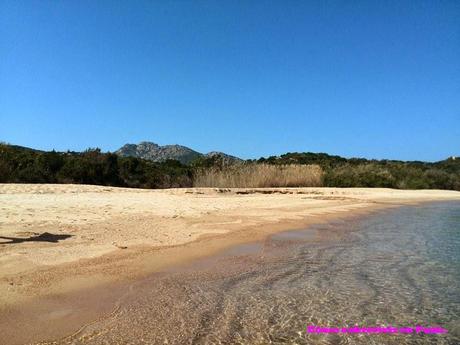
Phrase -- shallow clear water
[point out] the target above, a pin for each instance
(400, 267)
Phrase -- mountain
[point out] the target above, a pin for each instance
(18, 147)
(228, 159)
(157, 153)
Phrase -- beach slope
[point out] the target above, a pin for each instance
(55, 238)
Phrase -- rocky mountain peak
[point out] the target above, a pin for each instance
(157, 153)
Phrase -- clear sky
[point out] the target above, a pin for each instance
(375, 79)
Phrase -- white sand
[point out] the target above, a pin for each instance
(102, 220)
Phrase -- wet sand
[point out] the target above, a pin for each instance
(85, 299)
(384, 268)
(52, 287)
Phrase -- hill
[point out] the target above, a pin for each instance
(156, 153)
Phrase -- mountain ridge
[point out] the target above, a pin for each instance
(158, 153)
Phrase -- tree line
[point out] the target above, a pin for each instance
(359, 172)
(24, 165)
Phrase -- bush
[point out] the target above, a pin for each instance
(362, 175)
(20, 165)
(90, 167)
(260, 175)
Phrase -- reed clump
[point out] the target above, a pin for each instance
(260, 176)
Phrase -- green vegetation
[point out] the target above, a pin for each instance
(358, 172)
(23, 165)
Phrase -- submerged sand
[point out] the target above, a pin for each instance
(59, 239)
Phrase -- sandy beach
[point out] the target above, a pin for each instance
(61, 239)
(95, 221)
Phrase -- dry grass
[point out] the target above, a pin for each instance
(260, 175)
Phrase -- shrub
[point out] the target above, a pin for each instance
(260, 175)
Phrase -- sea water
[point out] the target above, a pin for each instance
(397, 268)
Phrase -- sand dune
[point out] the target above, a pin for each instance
(58, 237)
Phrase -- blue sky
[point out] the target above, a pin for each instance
(375, 79)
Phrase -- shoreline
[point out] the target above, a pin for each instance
(145, 260)
(77, 304)
(66, 314)
(59, 293)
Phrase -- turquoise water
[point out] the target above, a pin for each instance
(400, 267)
